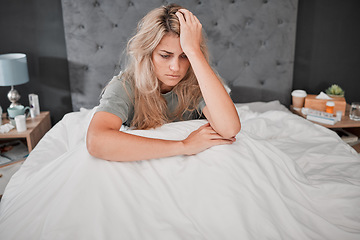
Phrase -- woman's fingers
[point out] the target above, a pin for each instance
(196, 19)
(203, 138)
(212, 134)
(216, 136)
(203, 127)
(190, 31)
(185, 16)
(181, 17)
(189, 17)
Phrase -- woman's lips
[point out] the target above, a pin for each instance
(172, 76)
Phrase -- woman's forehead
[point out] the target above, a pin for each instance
(169, 43)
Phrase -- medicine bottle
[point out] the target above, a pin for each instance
(330, 107)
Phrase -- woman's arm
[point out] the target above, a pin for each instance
(220, 110)
(105, 141)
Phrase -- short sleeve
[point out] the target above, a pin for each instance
(117, 99)
(201, 105)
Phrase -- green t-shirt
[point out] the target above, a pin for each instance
(118, 99)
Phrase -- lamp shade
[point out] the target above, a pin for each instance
(13, 69)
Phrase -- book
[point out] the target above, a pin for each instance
(345, 135)
(322, 119)
(319, 116)
(4, 160)
(14, 150)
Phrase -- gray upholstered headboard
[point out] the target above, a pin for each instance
(251, 42)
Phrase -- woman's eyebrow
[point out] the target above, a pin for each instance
(167, 52)
(170, 53)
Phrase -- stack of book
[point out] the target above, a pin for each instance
(321, 117)
(346, 136)
(12, 151)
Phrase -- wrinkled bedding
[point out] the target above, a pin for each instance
(284, 178)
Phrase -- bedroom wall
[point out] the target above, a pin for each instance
(35, 27)
(327, 46)
(327, 49)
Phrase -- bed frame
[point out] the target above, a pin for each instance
(251, 43)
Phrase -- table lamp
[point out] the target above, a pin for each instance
(13, 71)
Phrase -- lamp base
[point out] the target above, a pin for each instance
(13, 96)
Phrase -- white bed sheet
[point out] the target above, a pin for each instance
(284, 178)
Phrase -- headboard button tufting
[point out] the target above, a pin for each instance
(249, 21)
(229, 44)
(96, 4)
(249, 42)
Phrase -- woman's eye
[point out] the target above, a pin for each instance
(164, 56)
(183, 56)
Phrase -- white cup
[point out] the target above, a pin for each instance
(20, 121)
(298, 98)
(338, 115)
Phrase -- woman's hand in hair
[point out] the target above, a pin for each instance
(219, 106)
(202, 139)
(190, 31)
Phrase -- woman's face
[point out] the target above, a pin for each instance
(170, 62)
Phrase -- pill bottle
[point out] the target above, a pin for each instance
(330, 107)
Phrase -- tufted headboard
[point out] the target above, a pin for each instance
(251, 43)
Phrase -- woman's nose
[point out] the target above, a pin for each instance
(174, 65)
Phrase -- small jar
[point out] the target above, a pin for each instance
(330, 107)
(338, 115)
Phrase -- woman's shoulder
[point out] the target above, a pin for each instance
(120, 83)
(121, 80)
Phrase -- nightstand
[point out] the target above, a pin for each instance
(36, 129)
(346, 123)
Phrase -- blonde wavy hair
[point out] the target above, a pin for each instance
(150, 108)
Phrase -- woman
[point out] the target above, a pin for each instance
(168, 78)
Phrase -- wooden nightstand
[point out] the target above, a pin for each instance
(346, 123)
(36, 129)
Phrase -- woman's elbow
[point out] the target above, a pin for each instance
(235, 130)
(92, 146)
(231, 131)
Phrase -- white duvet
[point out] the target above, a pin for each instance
(284, 178)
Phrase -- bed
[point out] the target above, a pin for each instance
(284, 178)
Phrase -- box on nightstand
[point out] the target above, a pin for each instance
(320, 104)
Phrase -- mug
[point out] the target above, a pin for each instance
(17, 110)
(20, 121)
